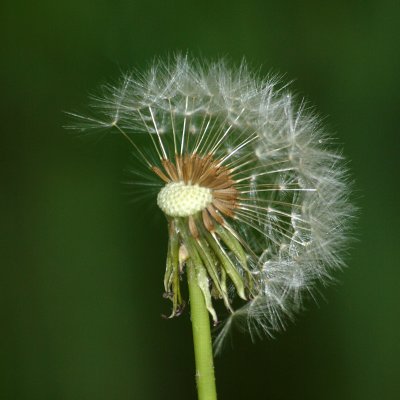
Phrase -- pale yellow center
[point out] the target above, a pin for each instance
(178, 199)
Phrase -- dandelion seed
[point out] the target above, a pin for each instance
(251, 194)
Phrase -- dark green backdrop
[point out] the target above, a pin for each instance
(82, 266)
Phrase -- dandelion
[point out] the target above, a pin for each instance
(255, 200)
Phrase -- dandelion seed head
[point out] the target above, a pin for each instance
(250, 188)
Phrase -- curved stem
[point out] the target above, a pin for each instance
(205, 378)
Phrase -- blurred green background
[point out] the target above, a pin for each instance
(82, 266)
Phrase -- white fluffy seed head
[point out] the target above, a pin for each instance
(293, 210)
(178, 199)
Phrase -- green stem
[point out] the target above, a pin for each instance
(205, 378)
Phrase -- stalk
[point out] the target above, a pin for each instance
(203, 353)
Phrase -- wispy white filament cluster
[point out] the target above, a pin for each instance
(292, 209)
